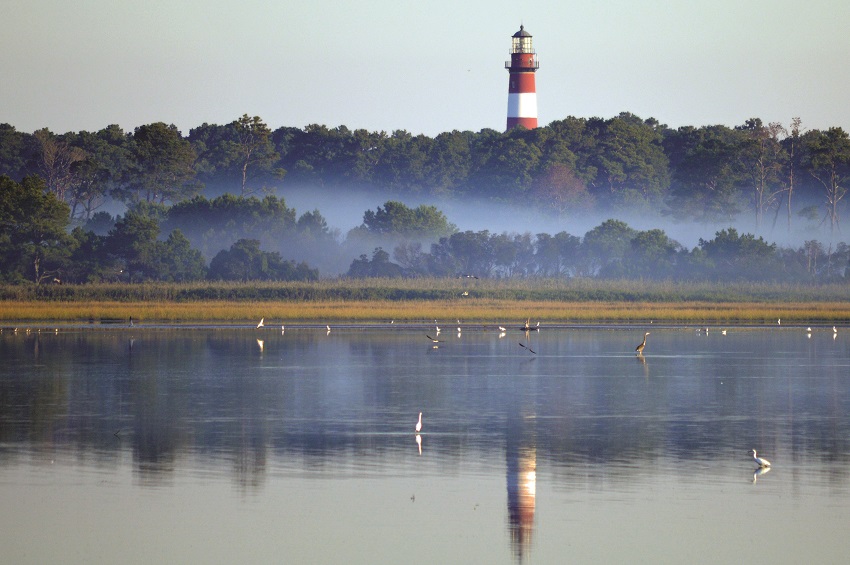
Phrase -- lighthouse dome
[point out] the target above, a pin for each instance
(522, 32)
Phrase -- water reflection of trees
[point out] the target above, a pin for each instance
(331, 403)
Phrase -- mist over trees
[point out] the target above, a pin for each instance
(154, 204)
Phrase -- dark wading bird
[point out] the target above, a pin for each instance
(640, 347)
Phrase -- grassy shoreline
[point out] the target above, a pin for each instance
(420, 300)
(471, 311)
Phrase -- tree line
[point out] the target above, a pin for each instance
(771, 173)
(159, 242)
(612, 250)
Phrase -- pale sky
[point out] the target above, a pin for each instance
(425, 67)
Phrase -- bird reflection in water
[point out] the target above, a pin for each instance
(759, 472)
(419, 443)
(260, 345)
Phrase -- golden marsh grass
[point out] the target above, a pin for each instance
(410, 311)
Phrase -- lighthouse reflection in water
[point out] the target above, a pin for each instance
(199, 443)
(521, 455)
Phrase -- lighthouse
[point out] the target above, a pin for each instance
(522, 95)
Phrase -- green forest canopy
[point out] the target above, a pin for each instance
(169, 184)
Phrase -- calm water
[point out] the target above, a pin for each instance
(203, 445)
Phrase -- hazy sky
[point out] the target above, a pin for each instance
(426, 67)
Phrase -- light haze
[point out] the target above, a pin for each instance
(425, 67)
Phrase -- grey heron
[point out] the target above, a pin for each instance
(640, 347)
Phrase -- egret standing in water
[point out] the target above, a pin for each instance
(760, 461)
(419, 424)
(640, 347)
(260, 325)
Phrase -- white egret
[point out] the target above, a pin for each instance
(260, 325)
(329, 328)
(809, 330)
(419, 424)
(760, 461)
(501, 329)
(722, 332)
(835, 331)
(438, 330)
(779, 322)
(640, 347)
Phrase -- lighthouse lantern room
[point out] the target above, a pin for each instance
(522, 95)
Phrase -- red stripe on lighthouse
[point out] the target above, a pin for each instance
(521, 82)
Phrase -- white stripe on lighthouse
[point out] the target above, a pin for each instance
(522, 105)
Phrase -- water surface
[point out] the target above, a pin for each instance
(222, 445)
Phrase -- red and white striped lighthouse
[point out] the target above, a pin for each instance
(522, 95)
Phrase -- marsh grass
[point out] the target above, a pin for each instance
(420, 300)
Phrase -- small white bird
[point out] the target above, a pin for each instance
(722, 332)
(419, 424)
(329, 329)
(261, 324)
(779, 322)
(760, 461)
(809, 330)
(501, 329)
(438, 329)
(835, 331)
